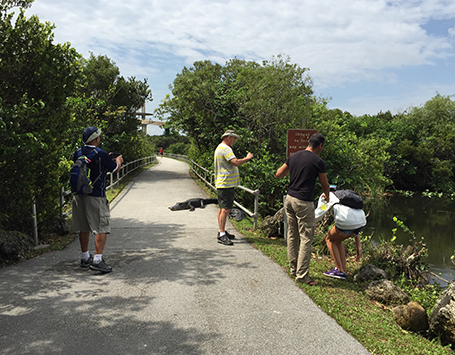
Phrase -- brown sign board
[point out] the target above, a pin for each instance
(298, 139)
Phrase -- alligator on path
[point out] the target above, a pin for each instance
(193, 203)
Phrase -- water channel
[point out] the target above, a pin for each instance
(430, 218)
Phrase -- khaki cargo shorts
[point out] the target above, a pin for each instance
(91, 214)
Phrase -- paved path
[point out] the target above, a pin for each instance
(174, 289)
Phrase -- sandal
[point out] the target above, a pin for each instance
(309, 282)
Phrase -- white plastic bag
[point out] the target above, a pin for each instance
(323, 207)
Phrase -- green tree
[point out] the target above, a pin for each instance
(273, 98)
(171, 142)
(425, 146)
(7, 5)
(37, 77)
(109, 101)
(259, 101)
(100, 74)
(199, 106)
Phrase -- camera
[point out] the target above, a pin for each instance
(114, 155)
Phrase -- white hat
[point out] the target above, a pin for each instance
(230, 133)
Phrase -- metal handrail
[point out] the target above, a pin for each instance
(124, 171)
(211, 175)
(129, 167)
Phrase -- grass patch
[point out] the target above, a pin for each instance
(370, 322)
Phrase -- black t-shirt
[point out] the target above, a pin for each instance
(304, 168)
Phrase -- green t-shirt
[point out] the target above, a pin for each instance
(226, 174)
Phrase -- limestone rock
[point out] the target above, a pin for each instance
(60, 226)
(386, 292)
(279, 216)
(268, 226)
(442, 318)
(273, 226)
(411, 317)
(370, 272)
(14, 245)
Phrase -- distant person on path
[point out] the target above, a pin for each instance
(161, 152)
(226, 179)
(91, 212)
(304, 167)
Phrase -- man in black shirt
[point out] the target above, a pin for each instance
(304, 167)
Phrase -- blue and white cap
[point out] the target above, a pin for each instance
(90, 133)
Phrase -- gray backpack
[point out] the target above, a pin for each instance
(79, 180)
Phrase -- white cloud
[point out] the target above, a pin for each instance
(341, 41)
(330, 37)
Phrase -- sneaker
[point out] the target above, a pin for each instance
(335, 273)
(87, 262)
(330, 272)
(101, 266)
(342, 275)
(224, 240)
(229, 235)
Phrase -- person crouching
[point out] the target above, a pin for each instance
(348, 223)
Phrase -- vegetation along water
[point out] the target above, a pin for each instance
(428, 216)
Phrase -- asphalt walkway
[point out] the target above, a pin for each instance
(174, 289)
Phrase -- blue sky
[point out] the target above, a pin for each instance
(366, 56)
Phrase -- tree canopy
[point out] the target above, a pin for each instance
(48, 94)
(413, 150)
(261, 102)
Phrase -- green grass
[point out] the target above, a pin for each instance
(370, 322)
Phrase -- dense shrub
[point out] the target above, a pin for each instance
(14, 246)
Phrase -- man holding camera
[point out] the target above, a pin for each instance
(226, 179)
(91, 212)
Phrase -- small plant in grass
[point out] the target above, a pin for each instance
(398, 260)
(425, 294)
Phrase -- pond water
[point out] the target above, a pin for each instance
(430, 218)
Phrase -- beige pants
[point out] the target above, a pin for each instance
(301, 223)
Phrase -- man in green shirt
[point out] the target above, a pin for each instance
(226, 179)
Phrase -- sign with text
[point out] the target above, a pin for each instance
(298, 139)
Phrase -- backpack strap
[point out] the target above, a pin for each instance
(92, 153)
(90, 157)
(79, 153)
